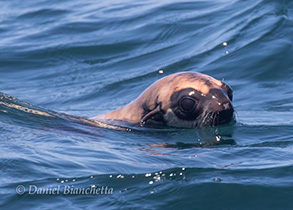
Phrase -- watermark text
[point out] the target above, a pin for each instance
(64, 190)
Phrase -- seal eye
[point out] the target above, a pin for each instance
(187, 104)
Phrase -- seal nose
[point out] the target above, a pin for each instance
(225, 115)
(221, 107)
(220, 101)
(227, 105)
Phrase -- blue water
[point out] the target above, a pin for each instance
(85, 58)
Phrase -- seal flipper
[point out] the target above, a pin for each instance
(154, 117)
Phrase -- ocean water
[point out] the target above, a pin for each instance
(85, 58)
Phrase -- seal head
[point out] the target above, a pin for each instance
(180, 100)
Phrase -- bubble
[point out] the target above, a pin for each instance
(217, 179)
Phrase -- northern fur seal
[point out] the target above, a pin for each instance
(180, 100)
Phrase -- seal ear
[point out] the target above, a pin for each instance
(154, 117)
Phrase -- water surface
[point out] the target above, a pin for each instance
(85, 58)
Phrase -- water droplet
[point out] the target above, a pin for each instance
(191, 93)
(148, 174)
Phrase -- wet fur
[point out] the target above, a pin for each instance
(160, 94)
